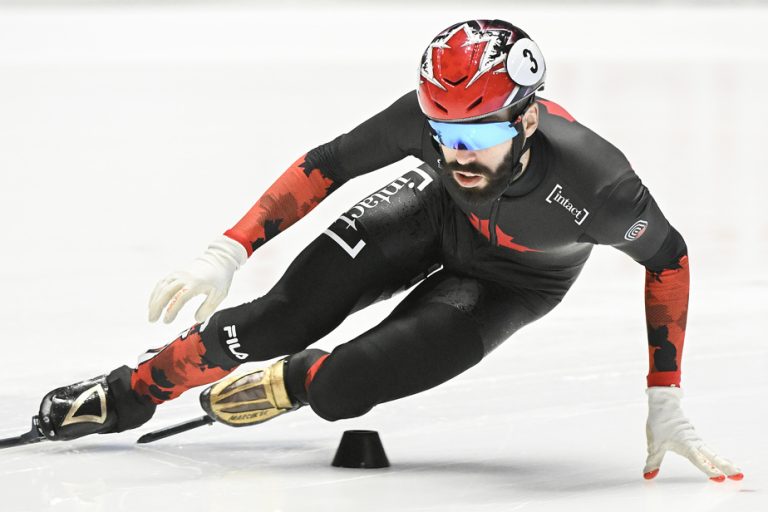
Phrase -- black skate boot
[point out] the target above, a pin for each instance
(100, 405)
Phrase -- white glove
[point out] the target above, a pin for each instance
(210, 274)
(668, 429)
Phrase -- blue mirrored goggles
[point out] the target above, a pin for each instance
(472, 136)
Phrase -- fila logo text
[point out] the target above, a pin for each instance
(233, 343)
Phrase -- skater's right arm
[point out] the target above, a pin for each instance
(387, 137)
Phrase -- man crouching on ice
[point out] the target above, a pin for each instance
(489, 234)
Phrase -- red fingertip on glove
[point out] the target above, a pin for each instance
(651, 474)
(720, 478)
(737, 476)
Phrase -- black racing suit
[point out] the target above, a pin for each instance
(481, 272)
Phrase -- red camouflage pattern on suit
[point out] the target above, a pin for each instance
(666, 313)
(175, 368)
(502, 238)
(295, 193)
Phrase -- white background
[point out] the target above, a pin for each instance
(130, 137)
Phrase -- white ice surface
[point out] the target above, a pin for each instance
(130, 138)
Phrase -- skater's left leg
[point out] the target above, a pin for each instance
(446, 325)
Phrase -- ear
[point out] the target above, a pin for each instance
(531, 119)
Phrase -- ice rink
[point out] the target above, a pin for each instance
(131, 137)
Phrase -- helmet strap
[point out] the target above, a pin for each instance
(519, 146)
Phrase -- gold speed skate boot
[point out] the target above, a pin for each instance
(250, 398)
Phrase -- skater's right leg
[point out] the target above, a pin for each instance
(127, 397)
(386, 243)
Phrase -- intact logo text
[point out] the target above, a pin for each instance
(344, 230)
(556, 196)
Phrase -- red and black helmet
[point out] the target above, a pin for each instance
(476, 68)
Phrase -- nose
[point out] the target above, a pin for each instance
(465, 156)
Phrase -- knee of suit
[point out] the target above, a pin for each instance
(297, 372)
(400, 357)
(262, 329)
(341, 388)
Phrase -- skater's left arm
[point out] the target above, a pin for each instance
(630, 220)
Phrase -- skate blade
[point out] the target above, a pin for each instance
(33, 436)
(175, 429)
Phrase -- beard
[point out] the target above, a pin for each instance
(496, 182)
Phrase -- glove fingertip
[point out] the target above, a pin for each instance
(718, 478)
(169, 317)
(737, 476)
(154, 312)
(650, 475)
(203, 312)
(208, 307)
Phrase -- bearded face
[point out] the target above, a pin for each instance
(478, 177)
(482, 159)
